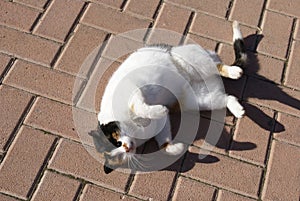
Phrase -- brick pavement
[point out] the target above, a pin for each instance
(43, 44)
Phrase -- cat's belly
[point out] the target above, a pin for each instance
(159, 95)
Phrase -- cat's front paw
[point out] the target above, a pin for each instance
(234, 72)
(157, 112)
(174, 149)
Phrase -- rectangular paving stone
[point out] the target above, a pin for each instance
(27, 46)
(34, 3)
(113, 3)
(240, 11)
(72, 158)
(253, 129)
(203, 42)
(92, 192)
(85, 41)
(59, 118)
(188, 189)
(293, 70)
(217, 7)
(212, 27)
(56, 187)
(282, 179)
(29, 144)
(223, 171)
(17, 16)
(272, 96)
(291, 129)
(4, 61)
(42, 81)
(172, 18)
(158, 191)
(290, 7)
(58, 19)
(7, 198)
(13, 104)
(110, 19)
(229, 196)
(138, 7)
(275, 41)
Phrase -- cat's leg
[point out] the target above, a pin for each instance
(164, 140)
(235, 107)
(141, 109)
(233, 72)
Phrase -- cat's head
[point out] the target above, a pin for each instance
(118, 146)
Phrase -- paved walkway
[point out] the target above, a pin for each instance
(42, 46)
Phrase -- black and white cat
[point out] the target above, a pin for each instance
(137, 90)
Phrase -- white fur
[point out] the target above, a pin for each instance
(137, 89)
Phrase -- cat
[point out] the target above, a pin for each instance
(150, 102)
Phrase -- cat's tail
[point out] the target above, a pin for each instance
(239, 46)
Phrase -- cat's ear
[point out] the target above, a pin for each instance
(107, 170)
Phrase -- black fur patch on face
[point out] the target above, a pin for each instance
(112, 132)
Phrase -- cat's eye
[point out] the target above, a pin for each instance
(119, 143)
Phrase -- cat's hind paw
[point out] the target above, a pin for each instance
(157, 111)
(174, 149)
(235, 107)
(234, 72)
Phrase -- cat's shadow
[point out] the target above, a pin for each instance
(226, 143)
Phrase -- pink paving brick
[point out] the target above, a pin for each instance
(203, 42)
(59, 118)
(212, 27)
(92, 95)
(229, 196)
(282, 179)
(7, 198)
(218, 7)
(17, 16)
(253, 129)
(188, 189)
(138, 7)
(240, 12)
(275, 41)
(72, 158)
(172, 18)
(272, 96)
(160, 182)
(4, 60)
(113, 3)
(221, 144)
(224, 172)
(94, 193)
(19, 157)
(34, 3)
(58, 19)
(83, 42)
(28, 46)
(291, 126)
(297, 36)
(56, 187)
(13, 105)
(293, 70)
(110, 19)
(290, 7)
(42, 81)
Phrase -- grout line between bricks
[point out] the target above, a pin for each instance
(124, 5)
(27, 5)
(19, 125)
(217, 187)
(215, 194)
(187, 28)
(229, 9)
(262, 14)
(69, 34)
(7, 69)
(41, 16)
(79, 191)
(289, 50)
(267, 157)
(11, 196)
(42, 170)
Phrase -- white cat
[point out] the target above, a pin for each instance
(140, 90)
